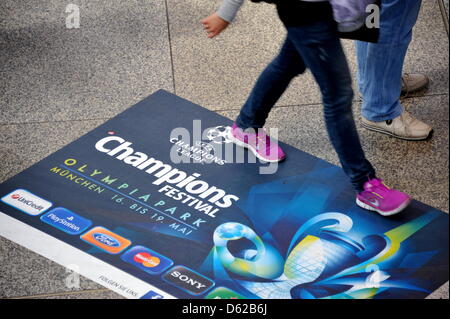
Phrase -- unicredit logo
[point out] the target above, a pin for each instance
(106, 240)
(29, 203)
(26, 202)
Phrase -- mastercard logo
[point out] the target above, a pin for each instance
(147, 260)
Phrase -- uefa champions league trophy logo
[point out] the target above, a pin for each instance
(319, 251)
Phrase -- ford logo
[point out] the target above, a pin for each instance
(106, 240)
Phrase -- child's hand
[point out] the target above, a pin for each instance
(214, 25)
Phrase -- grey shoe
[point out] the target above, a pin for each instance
(405, 127)
(414, 82)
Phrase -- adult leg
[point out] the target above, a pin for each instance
(380, 64)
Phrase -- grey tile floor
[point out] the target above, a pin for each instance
(57, 84)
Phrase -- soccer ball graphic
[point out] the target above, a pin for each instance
(219, 134)
(230, 231)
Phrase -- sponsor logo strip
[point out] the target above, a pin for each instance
(188, 280)
(66, 220)
(106, 240)
(147, 260)
(26, 202)
(67, 255)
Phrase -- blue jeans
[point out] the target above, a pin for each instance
(318, 48)
(380, 64)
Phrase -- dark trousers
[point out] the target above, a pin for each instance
(318, 48)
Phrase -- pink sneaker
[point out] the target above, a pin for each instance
(259, 143)
(379, 198)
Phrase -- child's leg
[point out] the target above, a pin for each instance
(269, 87)
(321, 50)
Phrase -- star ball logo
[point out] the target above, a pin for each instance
(216, 145)
(198, 151)
(219, 134)
(147, 260)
